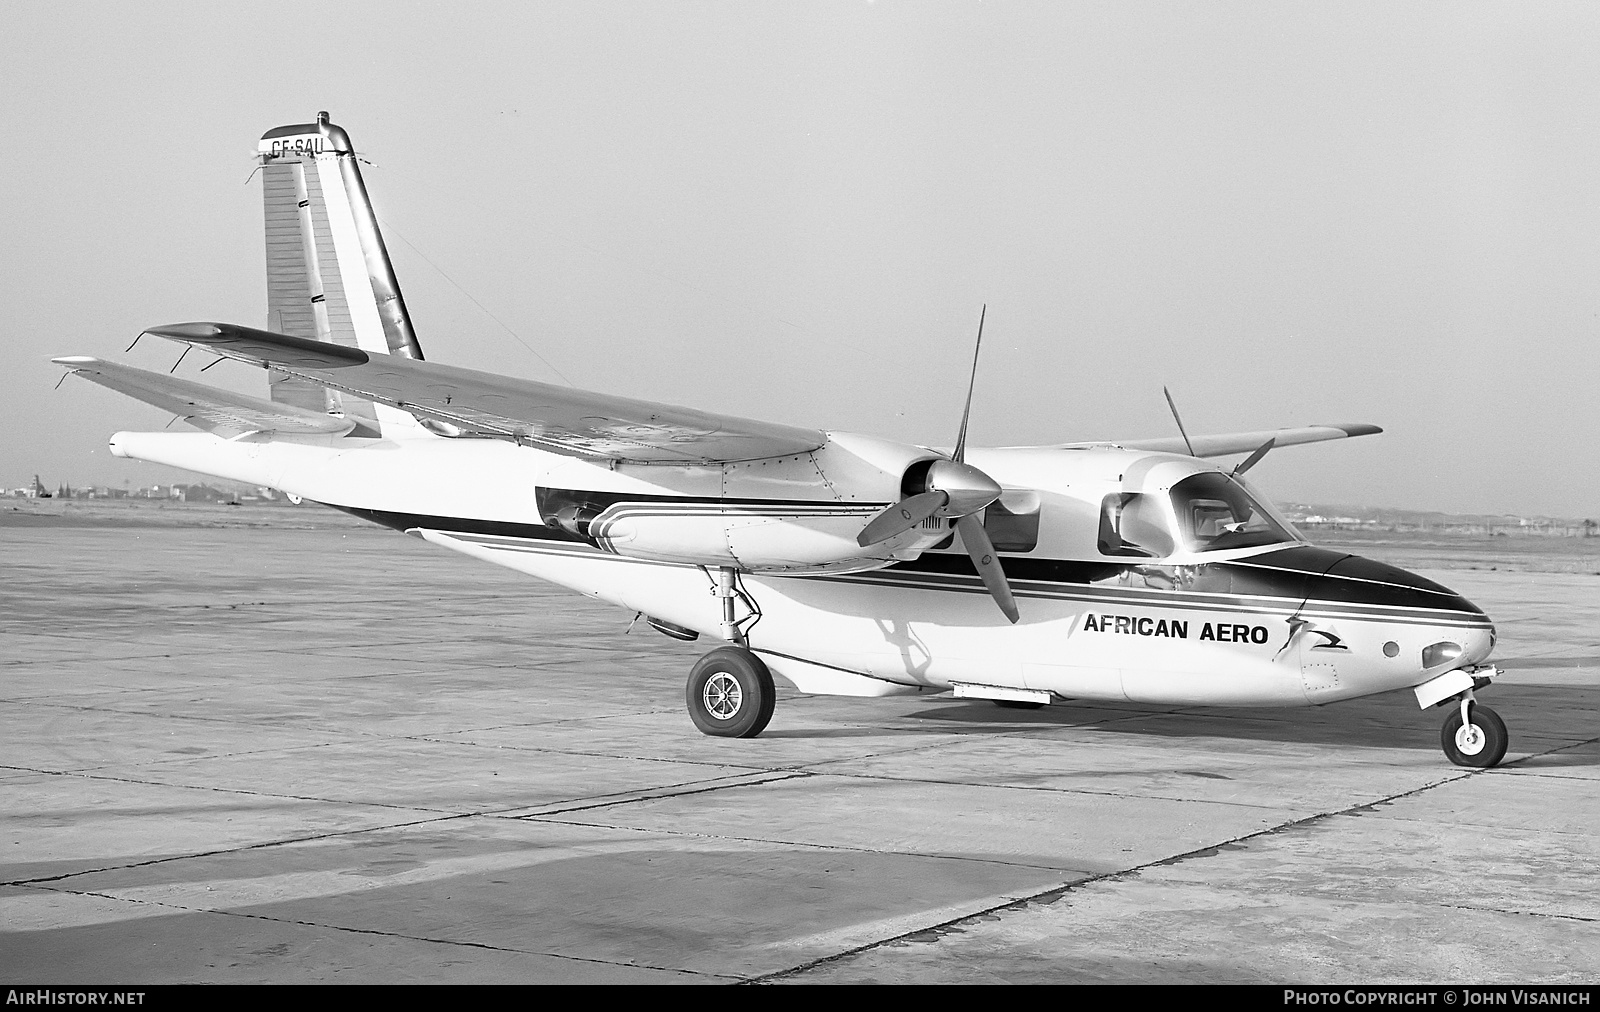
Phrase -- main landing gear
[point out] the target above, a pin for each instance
(730, 693)
(1474, 735)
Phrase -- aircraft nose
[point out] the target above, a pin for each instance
(1453, 629)
(1383, 584)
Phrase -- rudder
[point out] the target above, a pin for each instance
(329, 277)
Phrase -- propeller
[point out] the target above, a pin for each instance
(1255, 457)
(955, 489)
(949, 488)
(978, 545)
(1181, 431)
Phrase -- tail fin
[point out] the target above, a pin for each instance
(328, 272)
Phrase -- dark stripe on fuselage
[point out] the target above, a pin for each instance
(605, 500)
(1287, 577)
(459, 525)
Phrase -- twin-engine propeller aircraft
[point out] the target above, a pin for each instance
(841, 563)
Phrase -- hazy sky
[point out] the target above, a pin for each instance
(1288, 213)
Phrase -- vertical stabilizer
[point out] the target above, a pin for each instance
(328, 273)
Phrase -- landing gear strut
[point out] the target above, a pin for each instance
(730, 693)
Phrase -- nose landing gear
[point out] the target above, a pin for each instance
(1474, 736)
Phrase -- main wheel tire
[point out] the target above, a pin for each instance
(1017, 704)
(1480, 744)
(730, 693)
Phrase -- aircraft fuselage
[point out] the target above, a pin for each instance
(1282, 623)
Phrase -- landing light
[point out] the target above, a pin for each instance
(1442, 652)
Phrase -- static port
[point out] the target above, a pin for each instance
(1391, 649)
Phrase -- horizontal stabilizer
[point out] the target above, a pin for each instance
(220, 411)
(467, 402)
(1242, 442)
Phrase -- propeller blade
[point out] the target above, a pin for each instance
(1255, 458)
(1175, 418)
(976, 539)
(960, 454)
(901, 517)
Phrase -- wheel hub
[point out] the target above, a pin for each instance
(722, 696)
(1470, 739)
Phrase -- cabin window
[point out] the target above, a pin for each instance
(1133, 525)
(1216, 511)
(1013, 527)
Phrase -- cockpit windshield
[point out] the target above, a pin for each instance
(1216, 511)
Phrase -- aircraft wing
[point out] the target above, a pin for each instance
(554, 418)
(220, 411)
(1244, 442)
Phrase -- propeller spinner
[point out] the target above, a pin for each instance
(955, 489)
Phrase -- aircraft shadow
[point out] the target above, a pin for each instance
(1377, 722)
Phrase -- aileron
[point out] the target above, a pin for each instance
(220, 411)
(1242, 442)
(559, 419)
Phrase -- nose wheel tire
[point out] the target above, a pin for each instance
(1479, 744)
(730, 693)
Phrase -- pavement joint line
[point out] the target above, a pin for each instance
(1057, 790)
(683, 790)
(608, 755)
(240, 791)
(444, 813)
(383, 934)
(194, 757)
(944, 734)
(695, 787)
(235, 721)
(1009, 732)
(1519, 913)
(837, 848)
(225, 851)
(944, 743)
(1058, 891)
(1553, 751)
(90, 771)
(1055, 892)
(1547, 774)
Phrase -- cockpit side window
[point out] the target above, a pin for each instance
(1215, 511)
(1132, 525)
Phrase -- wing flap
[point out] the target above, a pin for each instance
(1244, 442)
(220, 411)
(562, 420)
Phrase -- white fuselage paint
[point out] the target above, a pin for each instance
(853, 627)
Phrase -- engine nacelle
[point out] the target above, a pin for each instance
(771, 515)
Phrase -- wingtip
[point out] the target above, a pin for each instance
(73, 361)
(1358, 429)
(185, 331)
